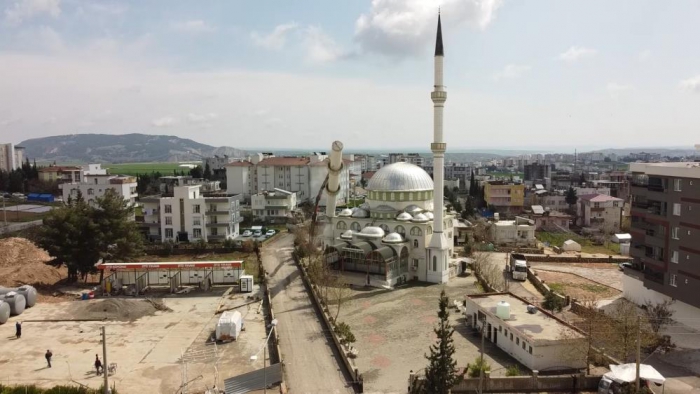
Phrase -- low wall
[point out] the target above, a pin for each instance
(558, 258)
(529, 384)
(543, 288)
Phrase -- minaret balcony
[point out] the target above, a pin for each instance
(438, 147)
(438, 96)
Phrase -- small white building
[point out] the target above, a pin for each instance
(94, 186)
(518, 232)
(622, 238)
(600, 211)
(536, 338)
(190, 216)
(274, 206)
(571, 246)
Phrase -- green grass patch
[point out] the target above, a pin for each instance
(593, 288)
(556, 287)
(144, 168)
(557, 239)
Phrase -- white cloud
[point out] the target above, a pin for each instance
(193, 26)
(276, 39)
(406, 27)
(26, 9)
(575, 53)
(512, 71)
(615, 89)
(165, 121)
(201, 118)
(320, 47)
(691, 84)
(644, 55)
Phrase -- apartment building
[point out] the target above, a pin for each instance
(190, 216)
(506, 197)
(665, 237)
(366, 162)
(11, 157)
(454, 171)
(94, 186)
(601, 211)
(275, 206)
(61, 174)
(537, 173)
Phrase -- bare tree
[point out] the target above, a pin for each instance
(339, 293)
(489, 270)
(626, 324)
(659, 314)
(596, 327)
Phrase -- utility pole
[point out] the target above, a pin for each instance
(639, 351)
(105, 368)
(264, 369)
(481, 366)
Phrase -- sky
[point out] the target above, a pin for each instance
(279, 74)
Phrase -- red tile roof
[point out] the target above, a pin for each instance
(598, 198)
(285, 161)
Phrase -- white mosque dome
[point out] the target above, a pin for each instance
(359, 213)
(393, 238)
(365, 206)
(413, 209)
(346, 235)
(400, 176)
(371, 232)
(404, 217)
(429, 215)
(345, 212)
(420, 218)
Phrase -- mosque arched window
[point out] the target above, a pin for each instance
(341, 225)
(400, 230)
(429, 230)
(355, 226)
(415, 243)
(450, 223)
(444, 224)
(434, 263)
(416, 231)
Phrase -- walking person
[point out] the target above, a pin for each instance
(48, 356)
(18, 329)
(98, 364)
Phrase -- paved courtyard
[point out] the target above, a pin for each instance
(394, 329)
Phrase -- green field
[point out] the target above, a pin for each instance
(144, 168)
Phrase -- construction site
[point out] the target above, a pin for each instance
(160, 336)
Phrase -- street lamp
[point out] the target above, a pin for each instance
(254, 357)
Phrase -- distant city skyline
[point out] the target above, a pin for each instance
(589, 75)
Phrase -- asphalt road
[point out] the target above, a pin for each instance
(311, 364)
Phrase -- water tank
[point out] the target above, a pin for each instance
(4, 312)
(503, 310)
(29, 293)
(16, 301)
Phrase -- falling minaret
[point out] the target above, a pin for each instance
(438, 249)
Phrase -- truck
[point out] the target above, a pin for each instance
(517, 266)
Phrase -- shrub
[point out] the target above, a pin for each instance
(345, 336)
(513, 370)
(479, 365)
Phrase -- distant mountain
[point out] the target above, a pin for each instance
(124, 148)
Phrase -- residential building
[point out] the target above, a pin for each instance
(367, 162)
(601, 211)
(457, 171)
(61, 174)
(537, 173)
(190, 216)
(95, 186)
(550, 220)
(518, 232)
(11, 157)
(274, 206)
(94, 169)
(506, 197)
(665, 237)
(168, 183)
(534, 337)
(217, 166)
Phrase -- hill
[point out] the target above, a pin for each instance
(124, 148)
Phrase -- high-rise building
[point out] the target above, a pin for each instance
(665, 232)
(11, 157)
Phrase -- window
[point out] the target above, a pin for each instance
(415, 243)
(677, 183)
(434, 263)
(529, 350)
(169, 220)
(511, 336)
(672, 280)
(596, 205)
(168, 208)
(197, 233)
(215, 231)
(523, 345)
(517, 341)
(429, 230)
(341, 225)
(416, 231)
(674, 256)
(197, 221)
(355, 226)
(415, 263)
(195, 208)
(505, 333)
(677, 209)
(95, 181)
(168, 233)
(674, 233)
(616, 204)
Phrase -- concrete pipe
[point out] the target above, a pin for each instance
(16, 301)
(29, 293)
(4, 312)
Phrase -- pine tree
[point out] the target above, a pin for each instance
(441, 374)
(207, 171)
(472, 185)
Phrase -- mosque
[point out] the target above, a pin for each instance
(402, 232)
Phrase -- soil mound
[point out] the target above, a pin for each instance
(22, 262)
(122, 309)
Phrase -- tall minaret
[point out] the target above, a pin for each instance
(438, 250)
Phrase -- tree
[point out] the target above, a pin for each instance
(441, 374)
(207, 171)
(468, 210)
(552, 302)
(472, 185)
(78, 235)
(659, 315)
(571, 198)
(480, 365)
(457, 206)
(339, 294)
(596, 327)
(196, 172)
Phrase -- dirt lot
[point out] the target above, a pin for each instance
(576, 286)
(148, 345)
(394, 329)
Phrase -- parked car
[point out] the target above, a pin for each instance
(247, 233)
(257, 233)
(623, 265)
(270, 232)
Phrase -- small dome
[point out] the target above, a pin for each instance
(345, 212)
(359, 213)
(393, 238)
(400, 176)
(413, 209)
(384, 208)
(347, 235)
(365, 206)
(420, 218)
(404, 217)
(371, 232)
(429, 215)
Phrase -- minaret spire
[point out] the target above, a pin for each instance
(439, 51)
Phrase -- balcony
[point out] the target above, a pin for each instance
(217, 212)
(218, 224)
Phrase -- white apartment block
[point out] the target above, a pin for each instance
(189, 216)
(518, 232)
(599, 210)
(11, 157)
(216, 162)
(274, 206)
(94, 186)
